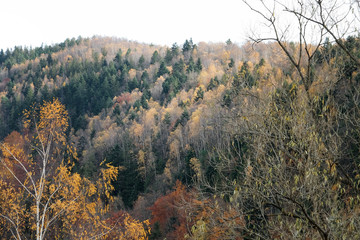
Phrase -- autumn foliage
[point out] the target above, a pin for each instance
(53, 201)
(184, 214)
(199, 141)
(126, 227)
(168, 213)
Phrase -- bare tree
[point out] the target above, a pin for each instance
(296, 178)
(308, 23)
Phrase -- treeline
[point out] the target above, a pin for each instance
(19, 54)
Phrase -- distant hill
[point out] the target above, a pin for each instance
(210, 115)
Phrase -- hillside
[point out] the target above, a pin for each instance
(211, 140)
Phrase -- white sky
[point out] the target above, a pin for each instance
(33, 22)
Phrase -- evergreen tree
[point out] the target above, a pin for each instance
(199, 94)
(186, 46)
(141, 63)
(191, 65)
(162, 70)
(118, 58)
(168, 56)
(155, 57)
(129, 183)
(231, 63)
(198, 66)
(2, 57)
(175, 50)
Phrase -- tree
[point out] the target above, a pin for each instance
(169, 56)
(296, 173)
(199, 94)
(118, 59)
(191, 65)
(155, 57)
(315, 21)
(2, 56)
(41, 196)
(182, 215)
(231, 63)
(162, 70)
(126, 227)
(141, 62)
(175, 50)
(167, 214)
(188, 46)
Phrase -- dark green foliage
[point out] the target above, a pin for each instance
(116, 110)
(227, 98)
(137, 105)
(246, 76)
(133, 84)
(188, 46)
(179, 74)
(214, 82)
(103, 52)
(43, 63)
(132, 114)
(129, 182)
(166, 85)
(145, 77)
(199, 94)
(156, 232)
(188, 172)
(167, 118)
(243, 78)
(49, 59)
(168, 56)
(175, 50)
(231, 63)
(118, 59)
(20, 54)
(155, 57)
(191, 65)
(92, 87)
(141, 63)
(2, 57)
(262, 62)
(198, 66)
(144, 102)
(128, 53)
(183, 119)
(70, 42)
(173, 84)
(162, 70)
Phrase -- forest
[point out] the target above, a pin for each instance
(106, 138)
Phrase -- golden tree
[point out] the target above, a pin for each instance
(40, 195)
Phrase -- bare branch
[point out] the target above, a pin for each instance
(23, 167)
(17, 235)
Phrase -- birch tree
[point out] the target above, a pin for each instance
(41, 196)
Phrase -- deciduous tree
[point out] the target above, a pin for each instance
(40, 195)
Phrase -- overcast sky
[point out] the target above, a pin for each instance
(33, 22)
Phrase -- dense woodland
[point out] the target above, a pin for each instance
(104, 138)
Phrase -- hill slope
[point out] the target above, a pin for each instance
(236, 123)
